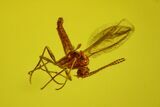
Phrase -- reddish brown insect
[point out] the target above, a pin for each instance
(106, 40)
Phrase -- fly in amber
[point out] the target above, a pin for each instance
(105, 40)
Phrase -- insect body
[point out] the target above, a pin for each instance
(104, 41)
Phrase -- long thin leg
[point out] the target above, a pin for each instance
(67, 74)
(38, 66)
(110, 64)
(50, 54)
(62, 85)
(53, 72)
(46, 70)
(46, 59)
(59, 73)
(53, 78)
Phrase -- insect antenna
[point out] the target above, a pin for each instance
(110, 64)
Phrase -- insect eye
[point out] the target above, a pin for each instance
(81, 58)
(83, 72)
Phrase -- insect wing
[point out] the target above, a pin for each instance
(109, 38)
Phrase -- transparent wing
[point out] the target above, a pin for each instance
(109, 38)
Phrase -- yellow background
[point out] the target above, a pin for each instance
(26, 26)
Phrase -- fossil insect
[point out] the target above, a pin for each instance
(105, 40)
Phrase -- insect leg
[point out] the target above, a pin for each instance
(54, 77)
(38, 66)
(68, 75)
(50, 54)
(53, 72)
(46, 70)
(68, 72)
(62, 85)
(110, 64)
(59, 73)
